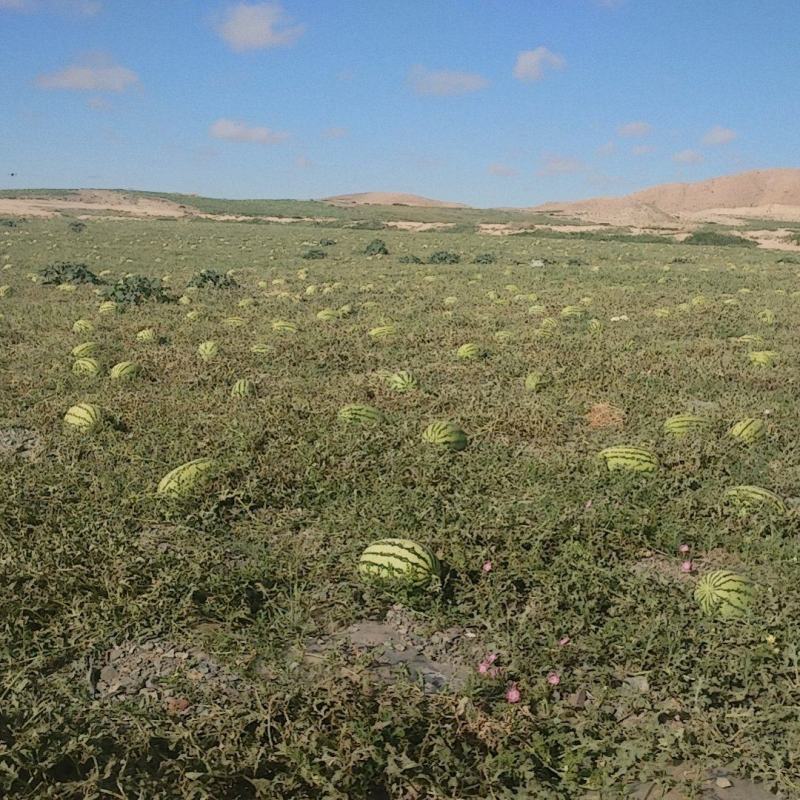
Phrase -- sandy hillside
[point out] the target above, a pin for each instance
(91, 202)
(760, 194)
(389, 199)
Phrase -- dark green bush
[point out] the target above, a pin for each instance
(411, 259)
(8, 223)
(313, 254)
(485, 258)
(211, 279)
(68, 272)
(327, 242)
(377, 247)
(718, 239)
(77, 226)
(444, 257)
(137, 289)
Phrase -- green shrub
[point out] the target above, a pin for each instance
(485, 258)
(410, 259)
(327, 242)
(5, 222)
(68, 272)
(377, 247)
(444, 257)
(211, 279)
(313, 254)
(718, 239)
(137, 289)
(77, 226)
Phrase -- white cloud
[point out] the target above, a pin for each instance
(642, 149)
(719, 135)
(85, 8)
(688, 157)
(531, 64)
(502, 170)
(234, 131)
(553, 164)
(638, 128)
(606, 149)
(445, 82)
(335, 133)
(97, 74)
(256, 26)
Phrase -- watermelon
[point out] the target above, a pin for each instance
(767, 316)
(468, 350)
(383, 332)
(82, 326)
(84, 350)
(124, 371)
(571, 311)
(748, 430)
(724, 594)
(6, 291)
(243, 388)
(86, 366)
(327, 315)
(282, 326)
(208, 350)
(183, 480)
(763, 358)
(261, 349)
(146, 335)
(184, 300)
(634, 459)
(359, 412)
(752, 497)
(595, 326)
(750, 338)
(445, 434)
(193, 315)
(402, 381)
(234, 322)
(85, 417)
(536, 380)
(683, 424)
(398, 561)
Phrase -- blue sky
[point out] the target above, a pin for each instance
(489, 102)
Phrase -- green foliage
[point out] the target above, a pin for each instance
(409, 259)
(8, 222)
(327, 242)
(68, 272)
(211, 279)
(377, 247)
(485, 258)
(77, 226)
(313, 254)
(137, 289)
(444, 257)
(717, 239)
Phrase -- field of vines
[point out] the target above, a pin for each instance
(221, 642)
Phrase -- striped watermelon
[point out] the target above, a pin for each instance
(84, 350)
(503, 336)
(85, 417)
(536, 380)
(763, 358)
(752, 497)
(86, 366)
(107, 307)
(184, 300)
(767, 316)
(748, 430)
(683, 424)
(6, 291)
(398, 561)
(383, 332)
(571, 311)
(282, 326)
(183, 480)
(327, 315)
(243, 388)
(402, 381)
(595, 326)
(450, 301)
(124, 371)
(208, 350)
(468, 350)
(146, 335)
(751, 338)
(661, 313)
(234, 322)
(82, 326)
(359, 412)
(724, 594)
(634, 459)
(536, 310)
(445, 434)
(261, 349)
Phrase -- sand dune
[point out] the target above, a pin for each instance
(389, 199)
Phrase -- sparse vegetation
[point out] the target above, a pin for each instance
(211, 279)
(314, 254)
(444, 257)
(137, 289)
(377, 247)
(68, 272)
(717, 239)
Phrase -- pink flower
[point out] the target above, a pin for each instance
(485, 667)
(487, 566)
(553, 678)
(684, 548)
(513, 695)
(564, 641)
(687, 566)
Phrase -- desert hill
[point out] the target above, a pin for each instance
(759, 194)
(389, 199)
